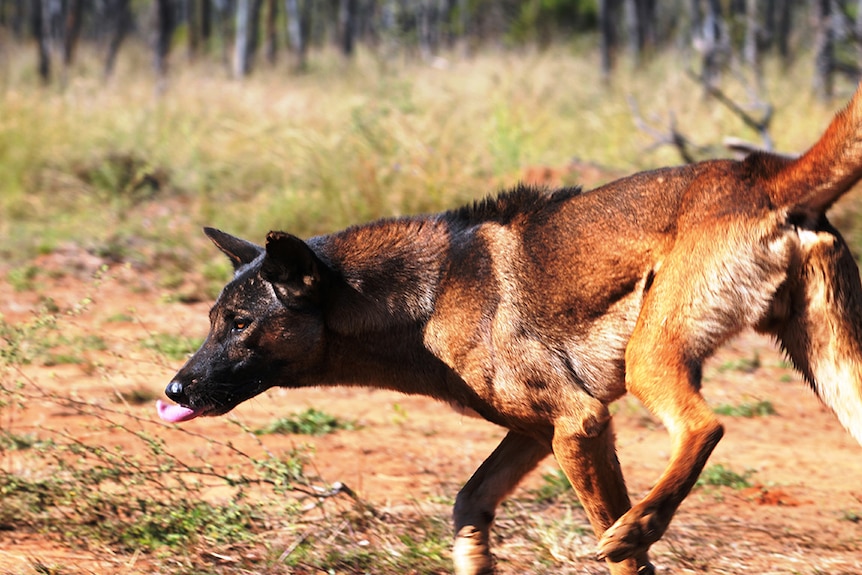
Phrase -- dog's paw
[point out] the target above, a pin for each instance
(633, 533)
(472, 555)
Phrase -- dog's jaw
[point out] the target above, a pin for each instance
(174, 413)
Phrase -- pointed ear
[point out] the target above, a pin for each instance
(239, 251)
(292, 267)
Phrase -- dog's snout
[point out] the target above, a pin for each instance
(175, 391)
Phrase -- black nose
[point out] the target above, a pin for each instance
(174, 390)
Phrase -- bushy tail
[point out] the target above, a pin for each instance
(815, 180)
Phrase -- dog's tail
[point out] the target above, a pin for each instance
(815, 180)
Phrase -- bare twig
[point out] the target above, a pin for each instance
(761, 126)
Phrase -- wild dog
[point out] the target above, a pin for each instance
(536, 309)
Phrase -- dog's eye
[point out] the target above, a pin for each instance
(240, 324)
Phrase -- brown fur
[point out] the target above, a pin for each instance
(538, 309)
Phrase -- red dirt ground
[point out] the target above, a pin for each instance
(801, 516)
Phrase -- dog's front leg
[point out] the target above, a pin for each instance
(477, 502)
(588, 457)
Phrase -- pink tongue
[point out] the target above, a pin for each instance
(175, 413)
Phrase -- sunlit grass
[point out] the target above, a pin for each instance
(132, 173)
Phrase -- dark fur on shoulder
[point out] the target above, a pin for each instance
(538, 308)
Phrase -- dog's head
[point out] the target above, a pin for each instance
(266, 328)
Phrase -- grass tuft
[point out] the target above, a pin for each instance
(720, 476)
(309, 422)
(760, 408)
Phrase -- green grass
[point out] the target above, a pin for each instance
(743, 364)
(554, 485)
(173, 347)
(309, 422)
(720, 476)
(746, 409)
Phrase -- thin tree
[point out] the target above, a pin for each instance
(120, 22)
(299, 16)
(240, 56)
(42, 33)
(271, 45)
(824, 44)
(607, 12)
(640, 22)
(348, 13)
(72, 30)
(247, 19)
(192, 15)
(710, 39)
(752, 43)
(162, 41)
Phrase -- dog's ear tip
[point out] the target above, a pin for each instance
(212, 233)
(283, 238)
(239, 251)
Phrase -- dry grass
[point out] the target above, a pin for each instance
(100, 164)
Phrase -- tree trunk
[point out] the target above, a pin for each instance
(858, 29)
(712, 43)
(41, 31)
(294, 31)
(783, 28)
(751, 47)
(162, 42)
(347, 15)
(72, 30)
(640, 26)
(241, 43)
(193, 13)
(823, 49)
(206, 23)
(607, 10)
(254, 30)
(305, 20)
(120, 19)
(271, 48)
(19, 23)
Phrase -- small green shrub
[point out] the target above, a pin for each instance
(173, 347)
(555, 484)
(743, 364)
(309, 422)
(720, 476)
(746, 409)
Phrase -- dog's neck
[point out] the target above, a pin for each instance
(384, 290)
(387, 273)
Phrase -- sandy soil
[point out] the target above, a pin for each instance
(801, 515)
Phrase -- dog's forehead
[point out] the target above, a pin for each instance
(247, 291)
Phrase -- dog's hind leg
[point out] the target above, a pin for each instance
(821, 329)
(588, 457)
(477, 501)
(700, 296)
(668, 385)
